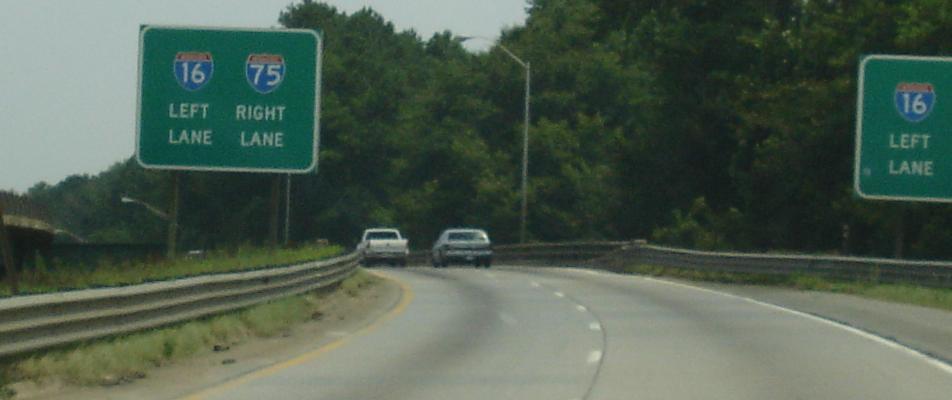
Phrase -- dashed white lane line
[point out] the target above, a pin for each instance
(908, 350)
(594, 356)
(508, 319)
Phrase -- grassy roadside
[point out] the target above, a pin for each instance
(43, 280)
(126, 358)
(898, 293)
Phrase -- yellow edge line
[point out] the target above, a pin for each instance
(405, 299)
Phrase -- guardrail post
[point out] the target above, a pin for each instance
(8, 259)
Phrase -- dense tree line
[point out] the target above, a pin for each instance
(711, 124)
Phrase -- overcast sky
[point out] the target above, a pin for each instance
(68, 75)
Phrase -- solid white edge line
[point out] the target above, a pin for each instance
(942, 366)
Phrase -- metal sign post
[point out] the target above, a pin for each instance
(173, 216)
(8, 259)
(275, 210)
(239, 100)
(287, 211)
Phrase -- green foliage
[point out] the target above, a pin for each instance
(5, 391)
(117, 273)
(355, 284)
(701, 228)
(128, 357)
(638, 110)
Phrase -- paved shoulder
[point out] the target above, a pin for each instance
(673, 341)
(926, 329)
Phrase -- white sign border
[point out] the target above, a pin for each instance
(317, 101)
(859, 128)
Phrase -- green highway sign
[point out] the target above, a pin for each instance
(215, 99)
(904, 129)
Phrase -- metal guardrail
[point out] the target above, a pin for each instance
(35, 322)
(539, 253)
(617, 255)
(556, 254)
(925, 273)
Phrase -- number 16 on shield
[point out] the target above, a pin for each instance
(193, 69)
(914, 100)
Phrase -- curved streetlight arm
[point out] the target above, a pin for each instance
(504, 48)
(514, 57)
(156, 211)
(75, 237)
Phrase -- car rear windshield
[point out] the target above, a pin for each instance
(472, 235)
(381, 235)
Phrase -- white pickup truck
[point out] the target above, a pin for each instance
(383, 245)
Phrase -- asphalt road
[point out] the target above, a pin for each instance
(573, 334)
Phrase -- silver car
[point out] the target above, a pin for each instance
(470, 246)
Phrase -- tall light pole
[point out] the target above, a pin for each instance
(525, 133)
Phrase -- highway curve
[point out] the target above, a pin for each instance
(573, 334)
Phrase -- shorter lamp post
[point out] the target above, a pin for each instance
(173, 221)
